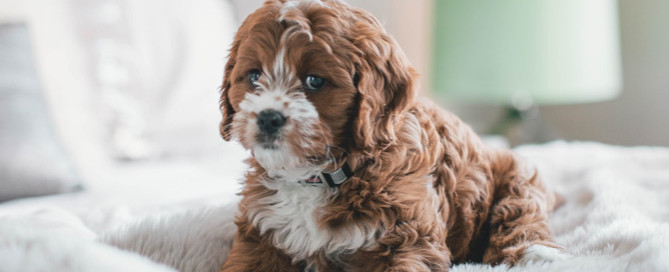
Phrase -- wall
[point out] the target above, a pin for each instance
(640, 116)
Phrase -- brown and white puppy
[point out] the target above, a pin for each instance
(314, 87)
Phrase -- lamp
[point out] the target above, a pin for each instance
(523, 53)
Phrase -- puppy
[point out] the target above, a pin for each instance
(350, 171)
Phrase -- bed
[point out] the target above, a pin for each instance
(615, 217)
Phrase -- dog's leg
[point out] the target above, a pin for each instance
(249, 253)
(519, 216)
(403, 259)
(403, 249)
(419, 259)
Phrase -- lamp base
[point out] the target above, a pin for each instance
(524, 126)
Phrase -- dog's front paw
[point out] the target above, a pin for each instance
(539, 253)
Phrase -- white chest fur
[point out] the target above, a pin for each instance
(291, 216)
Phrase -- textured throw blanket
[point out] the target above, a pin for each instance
(616, 218)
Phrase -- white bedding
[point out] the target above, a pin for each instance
(616, 217)
(127, 191)
(179, 213)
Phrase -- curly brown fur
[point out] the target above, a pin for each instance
(426, 192)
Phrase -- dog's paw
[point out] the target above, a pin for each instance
(539, 253)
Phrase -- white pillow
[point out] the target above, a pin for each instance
(133, 79)
(32, 159)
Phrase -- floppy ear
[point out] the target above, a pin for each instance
(227, 110)
(224, 104)
(385, 84)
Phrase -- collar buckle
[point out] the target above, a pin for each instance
(331, 179)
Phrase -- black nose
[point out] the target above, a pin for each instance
(269, 121)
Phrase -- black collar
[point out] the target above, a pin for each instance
(330, 179)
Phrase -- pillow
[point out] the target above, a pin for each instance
(32, 160)
(132, 80)
(148, 71)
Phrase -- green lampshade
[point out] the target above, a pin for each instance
(547, 51)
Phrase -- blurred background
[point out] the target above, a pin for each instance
(635, 114)
(92, 85)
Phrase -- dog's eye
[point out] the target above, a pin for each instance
(254, 75)
(314, 83)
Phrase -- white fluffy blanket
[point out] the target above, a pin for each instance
(54, 240)
(616, 218)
